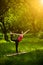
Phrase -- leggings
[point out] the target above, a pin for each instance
(16, 42)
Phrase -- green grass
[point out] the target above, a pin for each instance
(26, 45)
(31, 58)
(33, 46)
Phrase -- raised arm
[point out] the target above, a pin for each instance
(26, 32)
(19, 34)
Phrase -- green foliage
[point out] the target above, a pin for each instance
(16, 21)
(3, 6)
(40, 35)
(29, 35)
(1, 36)
(21, 16)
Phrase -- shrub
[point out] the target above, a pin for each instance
(40, 35)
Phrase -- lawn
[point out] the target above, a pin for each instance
(32, 45)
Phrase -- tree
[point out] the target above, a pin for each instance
(17, 17)
(3, 8)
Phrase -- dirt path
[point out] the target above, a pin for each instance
(14, 54)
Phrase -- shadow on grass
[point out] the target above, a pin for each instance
(31, 58)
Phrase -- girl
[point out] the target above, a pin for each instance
(19, 38)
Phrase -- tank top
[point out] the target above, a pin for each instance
(20, 37)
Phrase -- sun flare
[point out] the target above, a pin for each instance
(41, 2)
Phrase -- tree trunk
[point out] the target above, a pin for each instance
(6, 37)
(4, 31)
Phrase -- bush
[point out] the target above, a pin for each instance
(30, 35)
(40, 35)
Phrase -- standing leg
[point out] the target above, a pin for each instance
(16, 43)
(17, 46)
